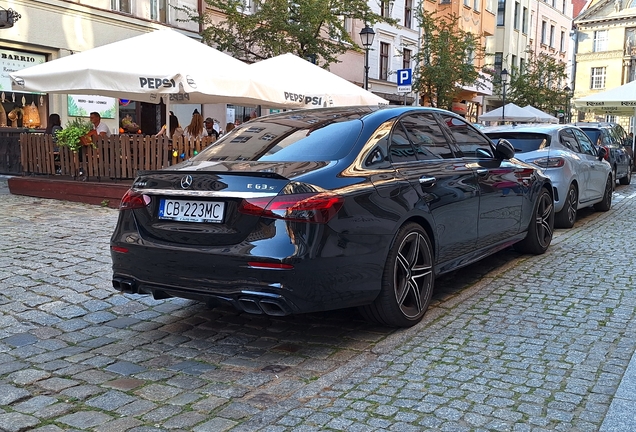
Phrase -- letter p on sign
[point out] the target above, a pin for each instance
(404, 78)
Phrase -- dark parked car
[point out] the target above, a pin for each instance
(613, 138)
(329, 208)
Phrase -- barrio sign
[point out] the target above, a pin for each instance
(13, 61)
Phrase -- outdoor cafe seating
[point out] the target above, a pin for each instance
(117, 157)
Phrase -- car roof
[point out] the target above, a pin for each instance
(527, 128)
(363, 111)
(594, 124)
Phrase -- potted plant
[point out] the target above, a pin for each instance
(74, 135)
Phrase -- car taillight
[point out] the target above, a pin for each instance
(549, 162)
(607, 153)
(133, 200)
(310, 207)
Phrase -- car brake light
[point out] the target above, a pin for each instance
(549, 162)
(119, 249)
(607, 153)
(133, 200)
(310, 207)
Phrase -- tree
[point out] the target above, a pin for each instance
(446, 59)
(541, 84)
(311, 29)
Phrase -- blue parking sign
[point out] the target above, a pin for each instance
(404, 80)
(404, 77)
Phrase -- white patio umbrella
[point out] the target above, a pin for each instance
(288, 81)
(512, 113)
(617, 101)
(165, 64)
(543, 117)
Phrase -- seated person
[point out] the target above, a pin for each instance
(100, 129)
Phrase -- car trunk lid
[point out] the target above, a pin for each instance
(200, 204)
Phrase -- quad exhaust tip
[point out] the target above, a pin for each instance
(263, 306)
(252, 304)
(125, 285)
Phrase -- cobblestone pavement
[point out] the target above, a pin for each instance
(513, 343)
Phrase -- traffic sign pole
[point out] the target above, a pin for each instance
(404, 82)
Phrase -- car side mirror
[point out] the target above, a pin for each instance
(504, 149)
(602, 152)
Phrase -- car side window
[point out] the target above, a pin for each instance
(618, 135)
(585, 143)
(376, 156)
(468, 139)
(401, 149)
(427, 137)
(606, 137)
(567, 139)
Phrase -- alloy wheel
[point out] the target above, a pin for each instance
(571, 205)
(544, 220)
(413, 274)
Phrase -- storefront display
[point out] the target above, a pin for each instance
(20, 109)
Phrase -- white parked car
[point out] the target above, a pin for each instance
(580, 175)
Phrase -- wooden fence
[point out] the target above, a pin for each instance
(116, 157)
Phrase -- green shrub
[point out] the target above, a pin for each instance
(71, 135)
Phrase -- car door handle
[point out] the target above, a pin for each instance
(428, 181)
(482, 171)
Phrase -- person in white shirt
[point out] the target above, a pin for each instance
(99, 129)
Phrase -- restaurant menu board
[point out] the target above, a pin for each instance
(83, 105)
(13, 61)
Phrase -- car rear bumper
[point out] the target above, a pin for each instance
(314, 284)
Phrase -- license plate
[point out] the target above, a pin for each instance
(191, 211)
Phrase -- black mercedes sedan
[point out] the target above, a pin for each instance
(329, 208)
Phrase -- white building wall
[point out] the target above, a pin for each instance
(399, 38)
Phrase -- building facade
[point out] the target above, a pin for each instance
(525, 28)
(605, 33)
(51, 29)
(476, 17)
(394, 48)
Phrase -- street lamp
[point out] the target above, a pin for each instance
(366, 36)
(568, 114)
(504, 81)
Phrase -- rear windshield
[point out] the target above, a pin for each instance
(288, 138)
(593, 134)
(521, 141)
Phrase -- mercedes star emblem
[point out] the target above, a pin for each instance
(186, 182)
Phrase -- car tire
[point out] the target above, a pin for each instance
(606, 203)
(407, 281)
(541, 227)
(628, 177)
(567, 216)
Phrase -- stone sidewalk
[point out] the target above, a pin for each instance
(513, 343)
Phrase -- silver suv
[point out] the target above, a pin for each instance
(613, 138)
